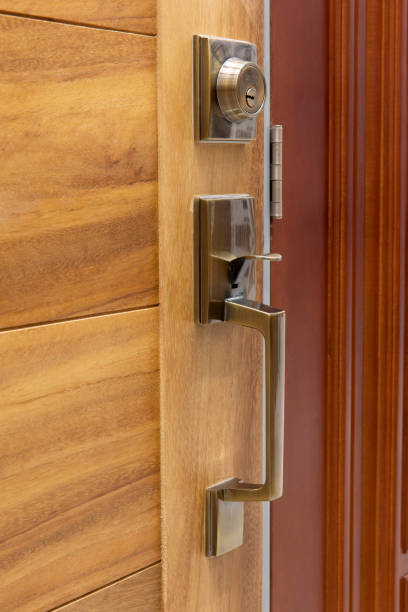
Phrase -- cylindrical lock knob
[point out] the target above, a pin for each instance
(241, 89)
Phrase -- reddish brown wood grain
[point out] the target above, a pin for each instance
(404, 594)
(366, 262)
(382, 350)
(403, 560)
(345, 305)
(403, 556)
(299, 100)
(363, 302)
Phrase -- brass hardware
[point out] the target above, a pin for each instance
(229, 257)
(225, 253)
(271, 323)
(235, 264)
(241, 89)
(224, 521)
(225, 282)
(250, 97)
(229, 89)
(276, 138)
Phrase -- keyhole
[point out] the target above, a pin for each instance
(250, 97)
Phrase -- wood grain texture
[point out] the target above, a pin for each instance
(404, 594)
(211, 376)
(132, 15)
(383, 349)
(403, 558)
(79, 457)
(404, 471)
(367, 281)
(345, 305)
(366, 263)
(403, 561)
(366, 298)
(340, 311)
(77, 171)
(138, 593)
(299, 64)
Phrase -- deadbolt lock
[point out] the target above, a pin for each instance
(240, 89)
(230, 90)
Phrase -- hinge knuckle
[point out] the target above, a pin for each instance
(275, 179)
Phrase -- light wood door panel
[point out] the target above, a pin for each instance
(139, 593)
(211, 376)
(132, 15)
(79, 457)
(78, 171)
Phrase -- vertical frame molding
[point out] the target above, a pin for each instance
(367, 158)
(338, 417)
(345, 302)
(382, 304)
(404, 594)
(299, 100)
(403, 557)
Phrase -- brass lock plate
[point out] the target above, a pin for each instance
(224, 521)
(210, 123)
(224, 233)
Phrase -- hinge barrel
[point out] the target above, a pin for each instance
(275, 179)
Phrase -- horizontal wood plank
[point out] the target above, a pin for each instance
(132, 15)
(138, 593)
(79, 457)
(78, 171)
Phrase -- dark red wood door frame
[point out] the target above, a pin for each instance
(339, 86)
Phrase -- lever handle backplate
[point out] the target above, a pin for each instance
(224, 237)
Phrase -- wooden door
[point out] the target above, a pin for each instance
(82, 132)
(299, 101)
(339, 533)
(211, 376)
(98, 171)
(79, 381)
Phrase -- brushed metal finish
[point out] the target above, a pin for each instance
(241, 89)
(224, 521)
(225, 231)
(225, 268)
(225, 258)
(276, 139)
(210, 122)
(271, 323)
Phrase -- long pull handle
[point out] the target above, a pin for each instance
(224, 507)
(271, 323)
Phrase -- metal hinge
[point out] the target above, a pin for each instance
(275, 172)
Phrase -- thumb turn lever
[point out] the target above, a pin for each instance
(236, 264)
(225, 288)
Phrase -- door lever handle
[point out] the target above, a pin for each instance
(225, 283)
